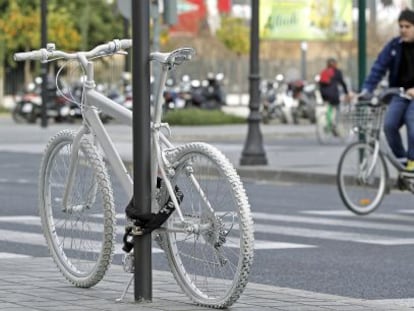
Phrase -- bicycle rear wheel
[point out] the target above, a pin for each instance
(323, 130)
(361, 183)
(80, 236)
(332, 125)
(211, 261)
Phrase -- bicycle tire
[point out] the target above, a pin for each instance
(361, 194)
(212, 265)
(80, 239)
(322, 132)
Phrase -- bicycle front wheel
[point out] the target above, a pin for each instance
(323, 129)
(210, 254)
(80, 235)
(362, 178)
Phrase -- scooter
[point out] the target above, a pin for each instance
(29, 107)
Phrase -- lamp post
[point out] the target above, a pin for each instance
(303, 50)
(362, 45)
(253, 152)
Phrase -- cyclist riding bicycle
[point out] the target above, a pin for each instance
(397, 59)
(330, 78)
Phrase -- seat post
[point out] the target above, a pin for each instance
(159, 94)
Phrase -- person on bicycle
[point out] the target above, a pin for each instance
(397, 59)
(329, 80)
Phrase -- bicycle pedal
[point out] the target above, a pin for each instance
(401, 184)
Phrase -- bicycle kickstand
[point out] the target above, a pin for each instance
(120, 299)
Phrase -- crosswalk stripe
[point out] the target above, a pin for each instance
(373, 216)
(406, 211)
(352, 221)
(12, 255)
(333, 235)
(279, 245)
(281, 230)
(38, 239)
(333, 222)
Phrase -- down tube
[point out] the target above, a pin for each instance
(112, 155)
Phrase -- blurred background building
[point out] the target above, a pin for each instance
(295, 41)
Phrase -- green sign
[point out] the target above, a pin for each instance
(306, 19)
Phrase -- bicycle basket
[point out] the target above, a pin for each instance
(366, 118)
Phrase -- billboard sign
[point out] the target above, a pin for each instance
(306, 19)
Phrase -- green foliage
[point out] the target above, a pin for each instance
(195, 116)
(96, 20)
(72, 25)
(4, 110)
(234, 34)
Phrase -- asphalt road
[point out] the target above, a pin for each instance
(305, 238)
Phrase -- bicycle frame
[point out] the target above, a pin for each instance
(94, 101)
(380, 145)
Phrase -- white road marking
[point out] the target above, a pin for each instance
(38, 239)
(12, 255)
(354, 223)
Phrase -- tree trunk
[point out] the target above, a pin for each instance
(85, 25)
(2, 58)
(240, 76)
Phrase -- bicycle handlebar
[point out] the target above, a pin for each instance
(385, 97)
(44, 54)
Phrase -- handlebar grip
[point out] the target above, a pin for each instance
(126, 43)
(33, 55)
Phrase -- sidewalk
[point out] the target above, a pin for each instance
(36, 284)
(292, 152)
(302, 159)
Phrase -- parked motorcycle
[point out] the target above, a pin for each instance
(271, 107)
(205, 94)
(212, 93)
(280, 101)
(28, 108)
(307, 96)
(310, 98)
(172, 96)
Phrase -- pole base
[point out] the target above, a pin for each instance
(253, 159)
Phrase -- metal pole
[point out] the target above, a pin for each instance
(362, 46)
(303, 52)
(253, 152)
(127, 66)
(43, 17)
(141, 148)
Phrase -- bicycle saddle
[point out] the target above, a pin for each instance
(173, 58)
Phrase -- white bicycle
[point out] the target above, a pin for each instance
(201, 216)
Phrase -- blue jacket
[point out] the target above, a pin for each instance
(388, 60)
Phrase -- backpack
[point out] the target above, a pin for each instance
(326, 75)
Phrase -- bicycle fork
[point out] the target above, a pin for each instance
(74, 158)
(365, 173)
